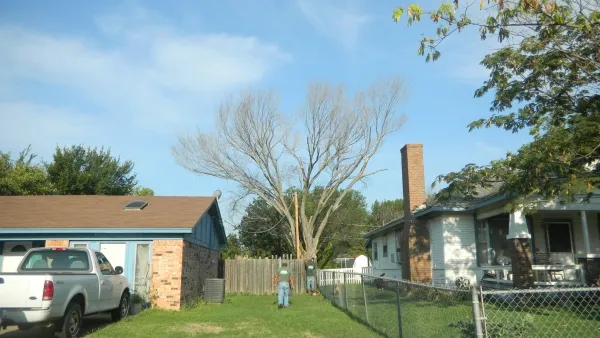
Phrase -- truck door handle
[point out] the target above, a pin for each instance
(102, 282)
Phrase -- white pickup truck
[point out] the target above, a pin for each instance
(55, 287)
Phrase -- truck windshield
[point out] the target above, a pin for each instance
(56, 260)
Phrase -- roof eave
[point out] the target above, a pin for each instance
(392, 225)
(186, 230)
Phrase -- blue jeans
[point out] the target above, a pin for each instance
(310, 283)
(283, 293)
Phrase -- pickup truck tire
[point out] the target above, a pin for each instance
(70, 325)
(123, 310)
(25, 327)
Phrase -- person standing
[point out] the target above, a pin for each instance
(311, 269)
(285, 282)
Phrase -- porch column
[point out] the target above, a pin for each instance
(586, 235)
(518, 237)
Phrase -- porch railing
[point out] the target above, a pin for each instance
(544, 275)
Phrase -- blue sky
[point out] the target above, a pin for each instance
(132, 75)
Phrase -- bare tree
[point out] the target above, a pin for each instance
(255, 146)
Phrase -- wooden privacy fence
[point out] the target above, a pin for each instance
(255, 275)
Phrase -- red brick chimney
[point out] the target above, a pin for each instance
(414, 247)
(413, 177)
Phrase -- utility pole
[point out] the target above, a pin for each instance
(297, 232)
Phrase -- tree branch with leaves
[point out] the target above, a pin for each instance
(545, 79)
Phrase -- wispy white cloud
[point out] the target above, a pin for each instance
(140, 75)
(340, 22)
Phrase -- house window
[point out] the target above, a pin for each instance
(398, 246)
(385, 246)
(375, 253)
(559, 237)
(498, 243)
(482, 243)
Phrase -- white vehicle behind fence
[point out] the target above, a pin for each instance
(55, 287)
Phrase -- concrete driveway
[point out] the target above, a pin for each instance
(90, 324)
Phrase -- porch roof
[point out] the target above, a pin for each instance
(457, 206)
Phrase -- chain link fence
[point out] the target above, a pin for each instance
(399, 308)
(544, 312)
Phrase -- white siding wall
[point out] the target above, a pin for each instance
(385, 264)
(436, 234)
(459, 248)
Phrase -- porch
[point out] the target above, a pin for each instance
(563, 245)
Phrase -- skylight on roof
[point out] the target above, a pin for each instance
(136, 205)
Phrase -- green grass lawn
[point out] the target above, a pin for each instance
(243, 316)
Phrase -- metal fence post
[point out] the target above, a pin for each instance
(345, 292)
(362, 281)
(398, 309)
(476, 313)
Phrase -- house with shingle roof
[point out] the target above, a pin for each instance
(480, 240)
(166, 245)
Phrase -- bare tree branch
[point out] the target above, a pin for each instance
(254, 145)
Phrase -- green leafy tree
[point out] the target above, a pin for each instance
(90, 171)
(386, 211)
(142, 191)
(22, 177)
(546, 79)
(263, 230)
(233, 249)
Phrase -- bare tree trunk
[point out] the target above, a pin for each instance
(254, 145)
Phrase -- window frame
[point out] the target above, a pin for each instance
(569, 223)
(100, 255)
(375, 251)
(384, 247)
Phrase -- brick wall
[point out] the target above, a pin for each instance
(592, 271)
(413, 176)
(415, 243)
(416, 246)
(167, 257)
(57, 243)
(521, 266)
(199, 263)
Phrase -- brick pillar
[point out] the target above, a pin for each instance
(521, 265)
(591, 266)
(167, 256)
(57, 243)
(416, 260)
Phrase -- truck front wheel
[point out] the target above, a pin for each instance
(70, 325)
(123, 310)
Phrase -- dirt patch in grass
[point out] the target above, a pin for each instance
(198, 328)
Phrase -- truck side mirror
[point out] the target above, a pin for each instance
(119, 270)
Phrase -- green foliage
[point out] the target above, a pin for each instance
(142, 191)
(233, 248)
(90, 171)
(546, 81)
(263, 231)
(22, 177)
(385, 211)
(519, 328)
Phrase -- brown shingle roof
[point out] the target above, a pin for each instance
(100, 211)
